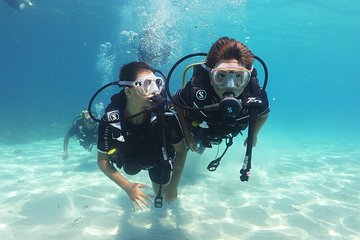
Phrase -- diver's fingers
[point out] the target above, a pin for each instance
(190, 142)
(133, 205)
(143, 195)
(193, 146)
(139, 205)
(141, 201)
(143, 186)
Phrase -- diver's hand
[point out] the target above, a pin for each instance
(65, 156)
(170, 193)
(137, 196)
(254, 141)
(191, 143)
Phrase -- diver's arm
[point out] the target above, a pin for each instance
(190, 141)
(111, 172)
(179, 163)
(66, 144)
(132, 189)
(260, 121)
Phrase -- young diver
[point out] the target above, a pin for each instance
(85, 130)
(141, 138)
(222, 99)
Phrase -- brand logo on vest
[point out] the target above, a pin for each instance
(254, 100)
(201, 94)
(113, 116)
(229, 109)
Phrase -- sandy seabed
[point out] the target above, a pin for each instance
(299, 192)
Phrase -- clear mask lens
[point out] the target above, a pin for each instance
(224, 78)
(150, 85)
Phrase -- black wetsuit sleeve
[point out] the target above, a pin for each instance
(183, 96)
(74, 130)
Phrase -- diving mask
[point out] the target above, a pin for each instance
(147, 84)
(230, 77)
(85, 114)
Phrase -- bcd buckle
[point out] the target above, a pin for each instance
(213, 165)
(158, 201)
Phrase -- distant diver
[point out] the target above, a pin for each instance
(83, 129)
(19, 4)
(151, 48)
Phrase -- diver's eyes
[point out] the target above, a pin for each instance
(221, 75)
(159, 82)
(138, 84)
(147, 83)
(239, 75)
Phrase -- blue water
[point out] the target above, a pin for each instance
(56, 54)
(49, 54)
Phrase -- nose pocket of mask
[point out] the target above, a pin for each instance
(153, 88)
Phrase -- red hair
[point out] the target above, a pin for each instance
(228, 48)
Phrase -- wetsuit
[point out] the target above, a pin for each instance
(211, 127)
(139, 146)
(84, 132)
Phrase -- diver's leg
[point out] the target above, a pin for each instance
(156, 188)
(160, 175)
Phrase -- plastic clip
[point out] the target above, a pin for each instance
(158, 201)
(213, 165)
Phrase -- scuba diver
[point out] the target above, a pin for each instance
(85, 130)
(222, 99)
(19, 4)
(138, 132)
(151, 48)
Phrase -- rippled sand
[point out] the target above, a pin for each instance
(305, 191)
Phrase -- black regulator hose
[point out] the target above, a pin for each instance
(92, 100)
(266, 73)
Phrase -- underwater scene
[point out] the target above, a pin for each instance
(304, 183)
